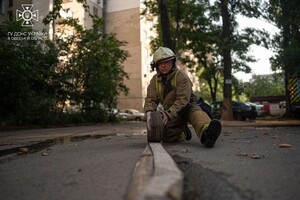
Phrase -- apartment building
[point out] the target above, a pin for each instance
(123, 18)
(71, 8)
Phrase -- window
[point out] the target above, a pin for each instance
(1, 6)
(10, 15)
(11, 3)
(95, 11)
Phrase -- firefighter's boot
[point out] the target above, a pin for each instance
(211, 133)
(206, 129)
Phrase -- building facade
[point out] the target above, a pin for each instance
(123, 18)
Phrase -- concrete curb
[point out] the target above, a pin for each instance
(260, 123)
(166, 182)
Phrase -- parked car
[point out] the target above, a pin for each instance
(111, 111)
(133, 114)
(260, 109)
(123, 116)
(241, 111)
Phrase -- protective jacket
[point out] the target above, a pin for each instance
(173, 94)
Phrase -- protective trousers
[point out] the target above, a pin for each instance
(198, 119)
(176, 130)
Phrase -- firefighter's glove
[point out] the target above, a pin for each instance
(165, 118)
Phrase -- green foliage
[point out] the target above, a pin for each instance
(26, 68)
(91, 75)
(39, 80)
(265, 86)
(286, 44)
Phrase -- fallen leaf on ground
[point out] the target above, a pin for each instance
(45, 154)
(241, 154)
(285, 145)
(24, 149)
(255, 156)
(226, 134)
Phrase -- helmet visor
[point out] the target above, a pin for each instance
(166, 60)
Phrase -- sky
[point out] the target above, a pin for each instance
(261, 54)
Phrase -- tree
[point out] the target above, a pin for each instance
(204, 43)
(192, 35)
(285, 15)
(90, 72)
(199, 37)
(26, 75)
(165, 24)
(92, 65)
(264, 86)
(226, 53)
(234, 45)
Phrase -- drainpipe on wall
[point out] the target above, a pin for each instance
(104, 15)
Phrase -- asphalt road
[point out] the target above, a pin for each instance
(246, 163)
(97, 162)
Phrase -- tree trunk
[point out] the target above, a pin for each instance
(214, 90)
(227, 93)
(165, 23)
(286, 40)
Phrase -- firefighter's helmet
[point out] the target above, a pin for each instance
(162, 54)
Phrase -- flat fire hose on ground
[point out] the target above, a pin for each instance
(163, 180)
(154, 126)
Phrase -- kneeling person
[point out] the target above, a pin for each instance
(172, 88)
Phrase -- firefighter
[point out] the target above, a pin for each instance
(171, 88)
